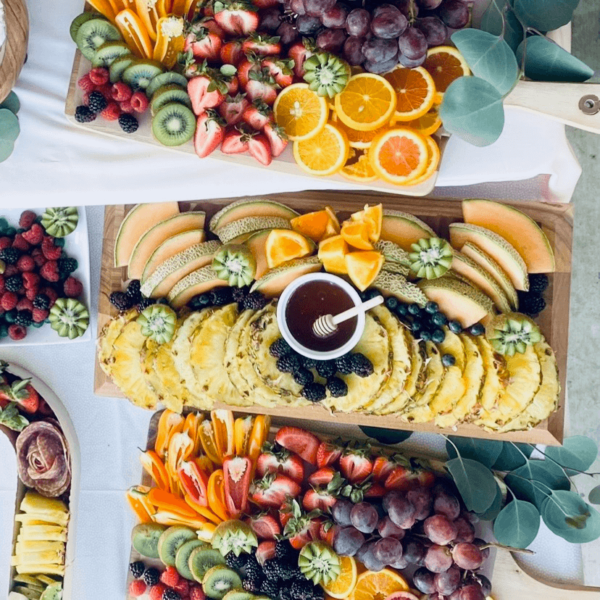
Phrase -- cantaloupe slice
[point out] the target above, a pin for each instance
(518, 229)
(171, 247)
(494, 245)
(197, 282)
(239, 231)
(161, 232)
(137, 221)
(275, 281)
(250, 208)
(404, 229)
(458, 300)
(257, 244)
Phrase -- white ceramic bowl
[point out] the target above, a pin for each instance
(291, 340)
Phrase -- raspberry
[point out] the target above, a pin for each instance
(196, 593)
(38, 257)
(2, 286)
(139, 102)
(31, 281)
(5, 242)
(121, 92)
(105, 90)
(137, 588)
(50, 271)
(51, 252)
(31, 294)
(25, 263)
(25, 304)
(111, 112)
(27, 219)
(183, 588)
(35, 235)
(17, 332)
(98, 75)
(125, 106)
(20, 243)
(85, 83)
(73, 288)
(84, 115)
(156, 591)
(40, 315)
(170, 577)
(10, 270)
(9, 301)
(52, 295)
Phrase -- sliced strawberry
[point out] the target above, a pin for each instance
(204, 93)
(285, 513)
(235, 141)
(322, 477)
(285, 462)
(426, 478)
(299, 52)
(401, 478)
(231, 53)
(302, 527)
(318, 499)
(203, 44)
(277, 138)
(210, 24)
(273, 489)
(281, 70)
(262, 86)
(300, 441)
(328, 453)
(327, 532)
(355, 463)
(262, 44)
(236, 17)
(266, 526)
(232, 108)
(265, 551)
(376, 490)
(23, 393)
(258, 114)
(382, 467)
(210, 131)
(250, 64)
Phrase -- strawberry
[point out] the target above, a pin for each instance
(285, 462)
(203, 44)
(324, 497)
(382, 467)
(257, 115)
(231, 53)
(265, 551)
(273, 489)
(301, 527)
(265, 525)
(426, 478)
(355, 463)
(262, 44)
(327, 532)
(322, 477)
(281, 70)
(235, 141)
(210, 130)
(328, 453)
(400, 478)
(300, 441)
(375, 490)
(206, 90)
(251, 64)
(210, 24)
(232, 108)
(236, 17)
(232, 83)
(262, 86)
(22, 392)
(277, 138)
(299, 52)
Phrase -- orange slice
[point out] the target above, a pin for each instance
(373, 217)
(415, 92)
(169, 40)
(357, 139)
(366, 103)
(432, 162)
(324, 154)
(399, 155)
(378, 586)
(300, 111)
(283, 245)
(332, 253)
(345, 582)
(363, 267)
(426, 124)
(445, 64)
(333, 227)
(359, 169)
(356, 234)
(313, 225)
(134, 33)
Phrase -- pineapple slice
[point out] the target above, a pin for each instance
(48, 517)
(49, 569)
(42, 533)
(126, 370)
(492, 385)
(39, 558)
(175, 394)
(147, 356)
(25, 547)
(108, 337)
(33, 502)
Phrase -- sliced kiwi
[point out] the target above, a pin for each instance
(108, 52)
(182, 558)
(220, 580)
(235, 264)
(319, 563)
(430, 257)
(202, 560)
(69, 318)
(166, 94)
(174, 124)
(170, 542)
(165, 79)
(139, 74)
(511, 333)
(93, 33)
(79, 20)
(238, 595)
(326, 74)
(144, 538)
(158, 323)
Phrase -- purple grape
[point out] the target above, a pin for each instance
(335, 17)
(353, 50)
(433, 29)
(358, 22)
(414, 552)
(438, 558)
(467, 556)
(348, 541)
(399, 563)
(484, 551)
(307, 25)
(315, 8)
(454, 13)
(364, 515)
(412, 44)
(295, 6)
(486, 584)
(440, 529)
(447, 582)
(341, 512)
(429, 4)
(389, 25)
(466, 531)
(382, 51)
(424, 581)
(367, 557)
(447, 504)
(422, 500)
(409, 63)
(270, 19)
(388, 498)
(387, 550)
(384, 8)
(287, 33)
(455, 595)
(472, 592)
(387, 529)
(436, 596)
(408, 8)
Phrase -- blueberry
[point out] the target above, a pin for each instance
(372, 293)
(425, 335)
(416, 325)
(439, 319)
(477, 329)
(401, 309)
(432, 307)
(438, 336)
(414, 309)
(391, 302)
(448, 360)
(454, 326)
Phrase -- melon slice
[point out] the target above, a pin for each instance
(496, 247)
(519, 230)
(250, 208)
(197, 282)
(138, 220)
(175, 268)
(458, 300)
(275, 281)
(239, 231)
(395, 284)
(480, 278)
(161, 232)
(257, 243)
(494, 269)
(404, 229)
(170, 247)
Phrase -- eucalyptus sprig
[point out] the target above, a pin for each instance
(9, 125)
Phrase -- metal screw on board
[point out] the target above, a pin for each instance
(589, 105)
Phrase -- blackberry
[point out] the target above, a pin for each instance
(200, 301)
(171, 594)
(97, 102)
(236, 562)
(270, 587)
(14, 283)
(137, 568)
(271, 569)
(326, 368)
(286, 570)
(448, 360)
(337, 387)
(221, 296)
(84, 115)
(66, 266)
(308, 363)
(285, 593)
(288, 363)
(120, 301)
(255, 301)
(318, 593)
(477, 329)
(24, 318)
(144, 303)
(454, 326)
(252, 585)
(239, 293)
(315, 392)
(303, 376)
(538, 283)
(252, 569)
(151, 576)
(134, 292)
(343, 364)
(279, 348)
(531, 304)
(128, 123)
(284, 550)
(361, 365)
(302, 589)
(10, 255)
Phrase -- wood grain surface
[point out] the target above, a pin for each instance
(17, 34)
(555, 219)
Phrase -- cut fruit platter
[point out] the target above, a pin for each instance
(447, 350)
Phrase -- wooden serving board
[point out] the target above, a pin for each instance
(15, 49)
(555, 219)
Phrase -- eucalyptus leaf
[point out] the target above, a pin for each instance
(489, 58)
(594, 495)
(484, 451)
(472, 109)
(475, 483)
(578, 452)
(545, 15)
(492, 512)
(491, 21)
(6, 149)
(547, 61)
(520, 481)
(385, 436)
(580, 524)
(510, 458)
(11, 103)
(517, 524)
(9, 125)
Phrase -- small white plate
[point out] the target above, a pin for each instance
(77, 247)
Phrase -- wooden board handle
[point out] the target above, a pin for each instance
(575, 104)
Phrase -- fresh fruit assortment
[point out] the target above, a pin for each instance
(294, 518)
(37, 277)
(447, 346)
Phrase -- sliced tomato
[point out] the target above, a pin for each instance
(237, 473)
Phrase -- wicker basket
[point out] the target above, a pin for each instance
(15, 48)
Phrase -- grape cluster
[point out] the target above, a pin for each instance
(423, 527)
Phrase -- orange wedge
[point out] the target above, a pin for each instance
(445, 64)
(399, 155)
(415, 92)
(283, 245)
(104, 7)
(134, 33)
(300, 111)
(345, 582)
(363, 267)
(333, 227)
(359, 169)
(433, 161)
(426, 124)
(378, 585)
(357, 139)
(332, 253)
(324, 154)
(169, 40)
(312, 225)
(356, 234)
(373, 217)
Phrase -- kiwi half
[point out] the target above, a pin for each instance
(93, 33)
(238, 595)
(165, 79)
(108, 52)
(170, 542)
(220, 580)
(202, 560)
(144, 538)
(118, 66)
(79, 20)
(139, 74)
(171, 92)
(174, 124)
(182, 558)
